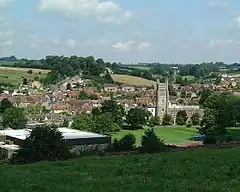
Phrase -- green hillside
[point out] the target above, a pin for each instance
(14, 76)
(202, 170)
(131, 80)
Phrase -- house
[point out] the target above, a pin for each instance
(36, 84)
(60, 108)
(128, 88)
(90, 90)
(110, 88)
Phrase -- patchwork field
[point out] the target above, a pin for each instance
(131, 80)
(14, 76)
(215, 170)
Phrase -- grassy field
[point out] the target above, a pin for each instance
(131, 80)
(170, 135)
(144, 68)
(15, 76)
(215, 170)
(7, 63)
(176, 135)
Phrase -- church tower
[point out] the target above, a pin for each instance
(162, 99)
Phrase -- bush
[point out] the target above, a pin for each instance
(29, 71)
(154, 121)
(167, 120)
(126, 143)
(210, 139)
(189, 123)
(45, 143)
(150, 143)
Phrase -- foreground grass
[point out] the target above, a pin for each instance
(131, 80)
(202, 170)
(15, 76)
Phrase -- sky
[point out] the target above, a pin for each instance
(127, 31)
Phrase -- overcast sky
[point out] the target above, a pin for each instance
(179, 31)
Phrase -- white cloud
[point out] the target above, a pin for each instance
(3, 3)
(39, 42)
(222, 43)
(96, 42)
(71, 43)
(8, 42)
(143, 45)
(237, 20)
(123, 46)
(104, 11)
(218, 3)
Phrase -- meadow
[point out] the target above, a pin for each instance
(14, 76)
(131, 80)
(173, 135)
(143, 68)
(212, 170)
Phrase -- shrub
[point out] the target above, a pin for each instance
(29, 71)
(126, 143)
(150, 143)
(44, 143)
(167, 120)
(189, 123)
(154, 121)
(210, 139)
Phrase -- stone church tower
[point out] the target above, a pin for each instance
(162, 99)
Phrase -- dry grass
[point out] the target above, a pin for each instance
(24, 69)
(131, 80)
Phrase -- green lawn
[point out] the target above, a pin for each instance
(215, 170)
(176, 135)
(14, 76)
(170, 135)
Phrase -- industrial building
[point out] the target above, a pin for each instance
(79, 141)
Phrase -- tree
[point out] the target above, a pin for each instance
(14, 118)
(204, 95)
(136, 117)
(69, 86)
(167, 120)
(154, 121)
(221, 110)
(25, 82)
(96, 111)
(83, 122)
(195, 119)
(150, 143)
(29, 71)
(4, 105)
(45, 143)
(117, 111)
(34, 112)
(104, 124)
(181, 118)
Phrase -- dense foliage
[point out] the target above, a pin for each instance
(4, 105)
(44, 143)
(150, 143)
(126, 143)
(181, 118)
(136, 117)
(14, 118)
(167, 120)
(221, 110)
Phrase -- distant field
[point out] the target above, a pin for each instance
(189, 77)
(144, 68)
(131, 80)
(15, 76)
(209, 170)
(7, 63)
